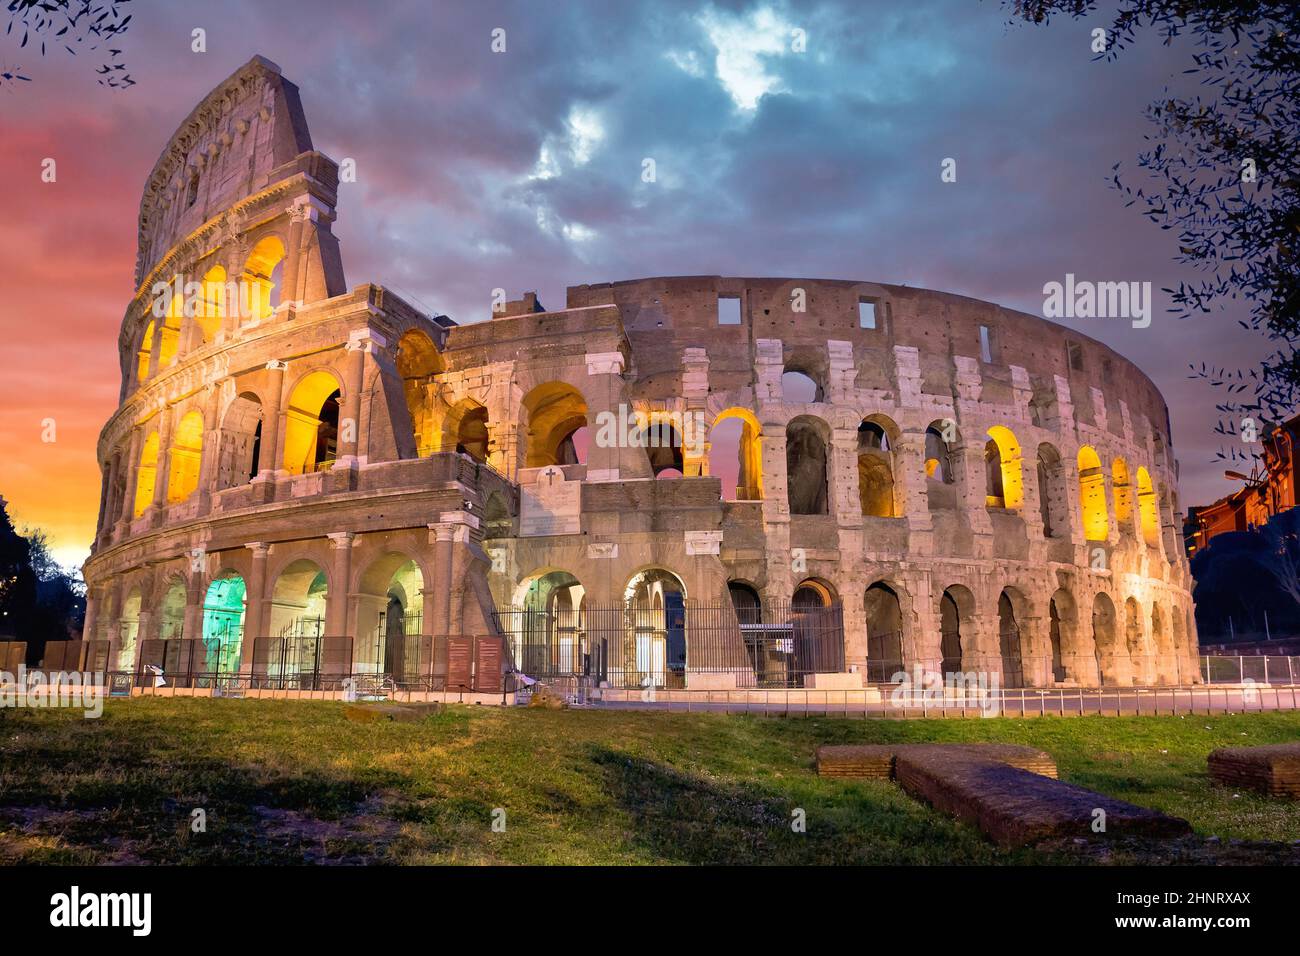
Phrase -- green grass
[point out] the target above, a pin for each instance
(286, 782)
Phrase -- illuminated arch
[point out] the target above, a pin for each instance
(1092, 496)
(1148, 508)
(1006, 487)
(311, 423)
(418, 361)
(128, 630)
(1122, 494)
(213, 307)
(877, 492)
(143, 354)
(261, 279)
(555, 414)
(736, 454)
(298, 600)
(170, 338)
(390, 608)
(148, 474)
(186, 454)
(224, 606)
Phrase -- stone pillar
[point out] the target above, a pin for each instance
(605, 394)
(843, 500)
(211, 448)
(336, 605)
(194, 593)
(361, 342)
(973, 494)
(1035, 650)
(162, 471)
(127, 514)
(155, 349)
(272, 426)
(911, 491)
(289, 281)
(442, 537)
(113, 607)
(255, 603)
(695, 425)
(91, 620)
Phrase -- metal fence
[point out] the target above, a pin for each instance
(676, 646)
(1261, 669)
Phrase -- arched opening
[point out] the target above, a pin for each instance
(876, 471)
(556, 418)
(664, 449)
(169, 338)
(1123, 496)
(1013, 670)
(1057, 624)
(260, 293)
(213, 307)
(465, 430)
(1103, 637)
(1148, 509)
(496, 517)
(736, 455)
(390, 619)
(298, 601)
(311, 424)
(940, 477)
(1004, 481)
(223, 622)
(186, 454)
(956, 611)
(549, 634)
(806, 463)
(1165, 665)
(418, 361)
(240, 455)
(746, 603)
(1135, 642)
(813, 593)
(171, 624)
(147, 475)
(1052, 502)
(128, 631)
(1092, 496)
(799, 388)
(143, 354)
(655, 603)
(884, 633)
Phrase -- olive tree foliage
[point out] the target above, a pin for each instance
(1223, 171)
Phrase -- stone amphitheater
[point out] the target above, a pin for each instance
(688, 482)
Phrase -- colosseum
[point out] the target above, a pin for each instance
(693, 482)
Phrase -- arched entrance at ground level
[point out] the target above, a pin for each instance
(389, 619)
(1009, 644)
(956, 614)
(884, 633)
(655, 610)
(547, 627)
(1060, 623)
(223, 623)
(1136, 644)
(128, 630)
(295, 651)
(172, 612)
(1104, 639)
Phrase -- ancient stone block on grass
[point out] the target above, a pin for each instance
(1273, 769)
(1015, 807)
(876, 761)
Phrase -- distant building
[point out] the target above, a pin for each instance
(1263, 495)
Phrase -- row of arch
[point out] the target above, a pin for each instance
(251, 296)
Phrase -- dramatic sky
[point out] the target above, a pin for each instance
(523, 170)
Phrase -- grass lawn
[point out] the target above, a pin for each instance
(284, 782)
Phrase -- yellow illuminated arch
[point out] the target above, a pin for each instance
(1092, 496)
(148, 474)
(1122, 493)
(186, 451)
(555, 410)
(213, 307)
(302, 420)
(146, 349)
(749, 477)
(258, 267)
(1013, 484)
(1148, 508)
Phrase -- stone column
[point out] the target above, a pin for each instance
(255, 603)
(127, 514)
(289, 287)
(162, 471)
(269, 460)
(113, 607)
(911, 491)
(336, 605)
(192, 628)
(91, 620)
(441, 536)
(155, 349)
(973, 494)
(695, 426)
(844, 501)
(211, 448)
(605, 373)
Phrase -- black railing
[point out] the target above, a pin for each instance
(676, 644)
